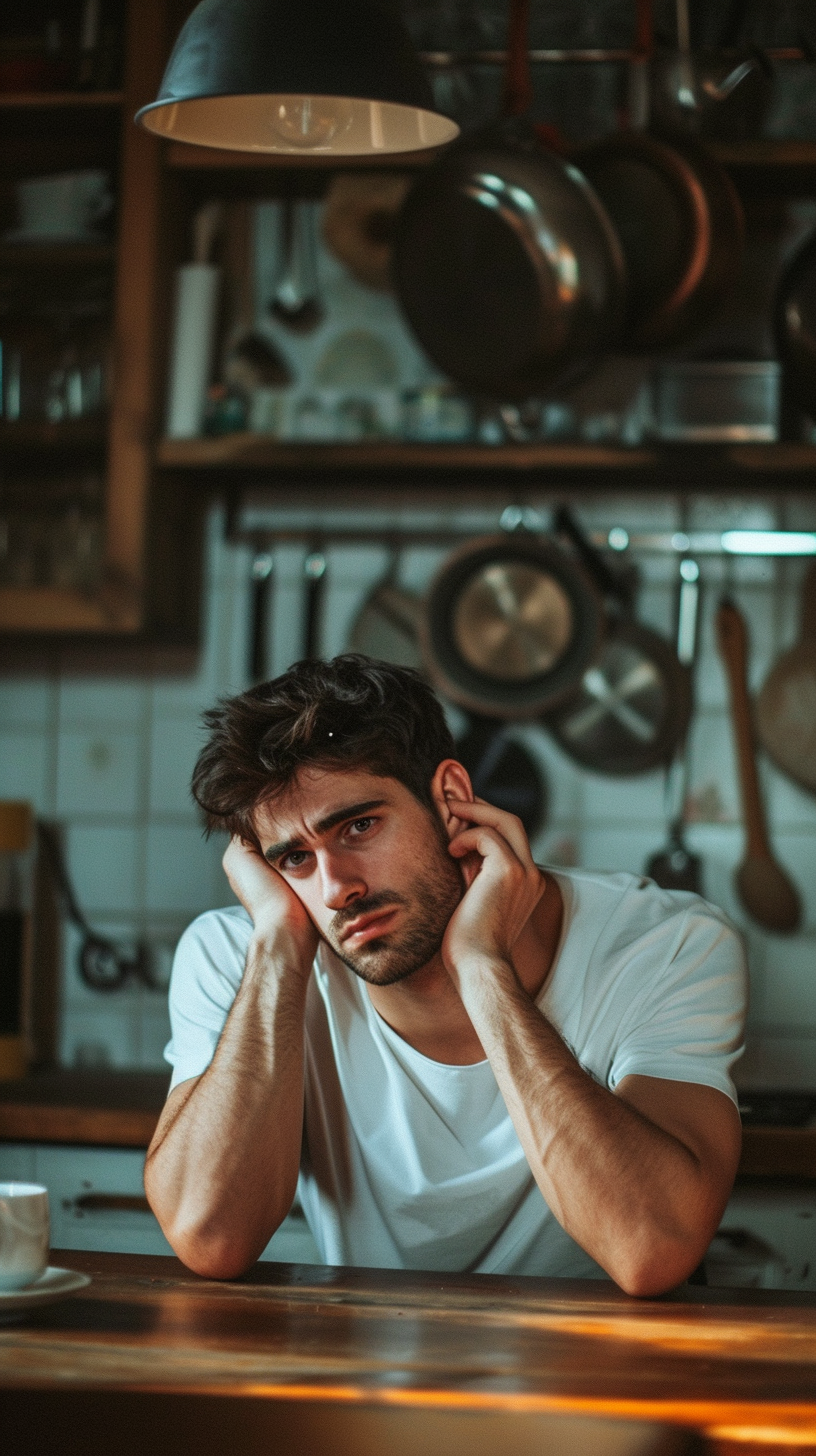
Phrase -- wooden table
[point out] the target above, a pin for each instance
(739, 1366)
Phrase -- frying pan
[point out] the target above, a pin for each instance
(501, 768)
(679, 220)
(786, 707)
(511, 623)
(795, 324)
(505, 263)
(633, 705)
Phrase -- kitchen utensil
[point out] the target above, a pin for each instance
(763, 887)
(252, 361)
(721, 95)
(785, 714)
(505, 263)
(502, 769)
(260, 593)
(103, 965)
(511, 624)
(358, 223)
(717, 400)
(314, 579)
(679, 220)
(795, 324)
(675, 867)
(632, 706)
(198, 285)
(296, 301)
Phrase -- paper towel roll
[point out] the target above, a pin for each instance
(194, 319)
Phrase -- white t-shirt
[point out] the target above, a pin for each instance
(412, 1164)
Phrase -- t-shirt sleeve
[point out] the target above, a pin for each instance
(688, 1025)
(207, 970)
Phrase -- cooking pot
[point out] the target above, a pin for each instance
(511, 623)
(505, 263)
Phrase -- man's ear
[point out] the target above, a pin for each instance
(451, 781)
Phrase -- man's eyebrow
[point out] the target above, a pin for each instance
(337, 816)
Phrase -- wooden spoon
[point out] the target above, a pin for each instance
(786, 706)
(762, 885)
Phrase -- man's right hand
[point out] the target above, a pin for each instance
(273, 906)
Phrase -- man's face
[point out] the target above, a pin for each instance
(370, 865)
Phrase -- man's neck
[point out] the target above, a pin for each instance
(426, 1011)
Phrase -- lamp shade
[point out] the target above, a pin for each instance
(297, 77)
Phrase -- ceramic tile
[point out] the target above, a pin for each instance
(778, 1061)
(790, 984)
(104, 864)
(153, 1028)
(17, 1163)
(789, 805)
(184, 872)
(95, 1039)
(93, 702)
(25, 768)
(625, 801)
(615, 849)
(174, 747)
(26, 703)
(713, 793)
(98, 772)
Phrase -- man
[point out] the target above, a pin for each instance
(463, 1061)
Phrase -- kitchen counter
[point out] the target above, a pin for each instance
(739, 1366)
(116, 1109)
(120, 1109)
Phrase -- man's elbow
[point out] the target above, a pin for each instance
(656, 1267)
(209, 1253)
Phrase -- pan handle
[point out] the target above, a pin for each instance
(260, 592)
(609, 582)
(314, 571)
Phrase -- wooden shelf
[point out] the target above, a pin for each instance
(51, 254)
(34, 436)
(41, 100)
(244, 450)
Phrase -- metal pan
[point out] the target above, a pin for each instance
(502, 769)
(633, 705)
(511, 624)
(505, 263)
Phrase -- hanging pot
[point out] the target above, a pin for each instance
(679, 220)
(633, 705)
(511, 623)
(505, 263)
(795, 324)
(502, 769)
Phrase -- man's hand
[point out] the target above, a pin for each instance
(275, 908)
(504, 886)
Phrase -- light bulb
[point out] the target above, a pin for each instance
(311, 123)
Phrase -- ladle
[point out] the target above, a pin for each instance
(763, 886)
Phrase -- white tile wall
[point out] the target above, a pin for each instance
(110, 758)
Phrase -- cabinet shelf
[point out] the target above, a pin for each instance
(245, 451)
(56, 100)
(47, 254)
(35, 436)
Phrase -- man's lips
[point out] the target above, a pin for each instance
(368, 927)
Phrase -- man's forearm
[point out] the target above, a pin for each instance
(222, 1168)
(631, 1194)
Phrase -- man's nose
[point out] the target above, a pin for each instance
(341, 882)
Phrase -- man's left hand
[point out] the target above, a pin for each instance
(503, 890)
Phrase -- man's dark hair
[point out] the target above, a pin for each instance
(351, 712)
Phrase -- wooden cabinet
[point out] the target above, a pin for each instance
(87, 547)
(134, 501)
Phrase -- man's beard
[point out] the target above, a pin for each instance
(433, 898)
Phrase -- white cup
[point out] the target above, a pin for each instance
(24, 1234)
(66, 204)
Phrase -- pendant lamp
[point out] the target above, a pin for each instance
(337, 78)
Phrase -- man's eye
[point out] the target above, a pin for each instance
(361, 825)
(294, 859)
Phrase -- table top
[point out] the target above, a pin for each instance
(724, 1361)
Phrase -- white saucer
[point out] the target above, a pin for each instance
(54, 1284)
(23, 235)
